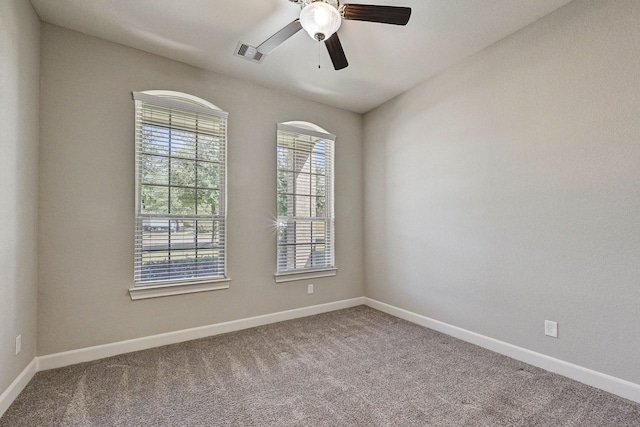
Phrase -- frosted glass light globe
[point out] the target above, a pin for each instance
(320, 20)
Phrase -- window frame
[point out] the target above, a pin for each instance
(310, 130)
(187, 106)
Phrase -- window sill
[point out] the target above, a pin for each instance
(304, 275)
(155, 291)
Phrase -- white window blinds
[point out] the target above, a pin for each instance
(305, 228)
(180, 234)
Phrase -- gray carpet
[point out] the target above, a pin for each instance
(354, 367)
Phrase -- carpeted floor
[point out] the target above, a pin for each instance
(353, 367)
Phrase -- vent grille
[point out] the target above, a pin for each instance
(246, 51)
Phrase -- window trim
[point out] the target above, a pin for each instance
(313, 130)
(152, 289)
(315, 273)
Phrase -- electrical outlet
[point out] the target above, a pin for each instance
(18, 344)
(551, 328)
(310, 288)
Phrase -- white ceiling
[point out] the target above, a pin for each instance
(384, 60)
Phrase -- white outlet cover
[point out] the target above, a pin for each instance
(310, 288)
(551, 328)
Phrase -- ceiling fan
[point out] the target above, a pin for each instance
(322, 18)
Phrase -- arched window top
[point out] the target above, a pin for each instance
(305, 125)
(182, 97)
(179, 100)
(310, 128)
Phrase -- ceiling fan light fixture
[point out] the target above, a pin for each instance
(320, 20)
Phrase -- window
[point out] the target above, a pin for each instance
(180, 194)
(305, 223)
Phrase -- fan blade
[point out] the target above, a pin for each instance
(374, 13)
(267, 46)
(336, 52)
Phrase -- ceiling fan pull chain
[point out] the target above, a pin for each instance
(318, 55)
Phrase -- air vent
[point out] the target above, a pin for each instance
(248, 52)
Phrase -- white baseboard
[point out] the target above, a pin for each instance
(58, 360)
(605, 382)
(16, 387)
(617, 386)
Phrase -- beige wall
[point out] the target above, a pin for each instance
(506, 191)
(87, 196)
(19, 74)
